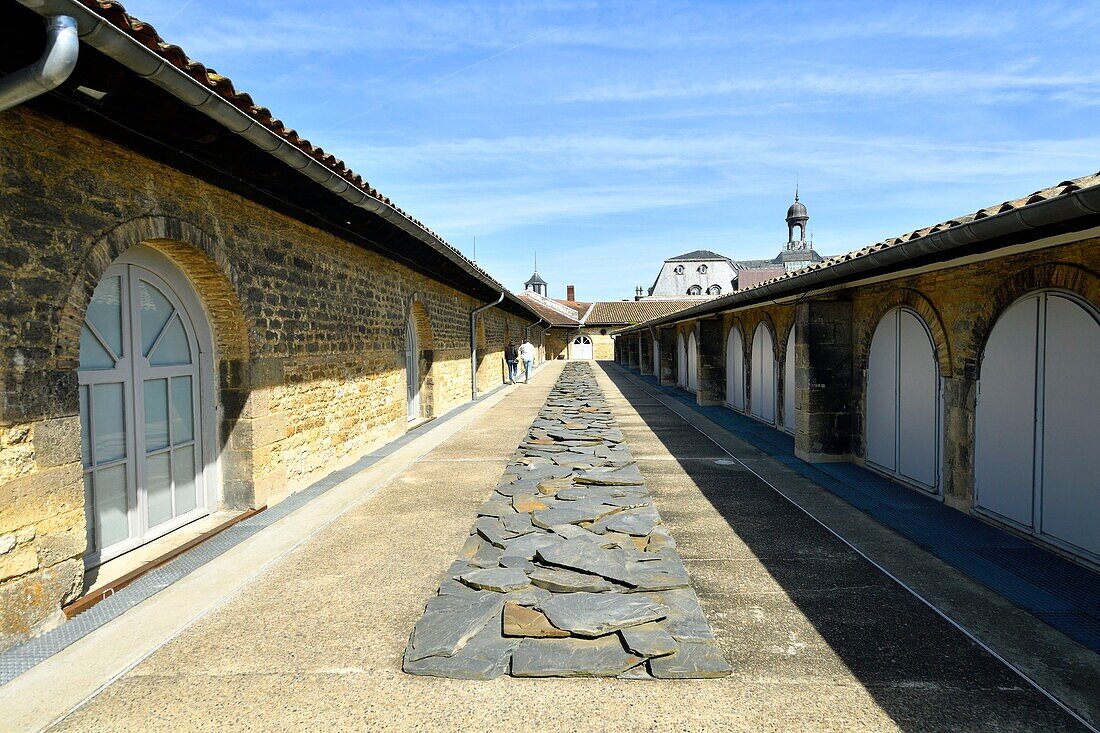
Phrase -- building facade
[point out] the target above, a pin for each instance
(958, 360)
(191, 324)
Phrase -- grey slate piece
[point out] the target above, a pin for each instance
(637, 524)
(603, 657)
(526, 546)
(497, 579)
(485, 656)
(450, 621)
(597, 614)
(649, 640)
(693, 660)
(561, 580)
(586, 556)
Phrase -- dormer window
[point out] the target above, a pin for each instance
(702, 269)
(714, 290)
(695, 290)
(679, 269)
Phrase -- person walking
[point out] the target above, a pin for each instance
(527, 353)
(511, 356)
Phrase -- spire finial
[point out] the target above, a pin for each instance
(796, 187)
(536, 260)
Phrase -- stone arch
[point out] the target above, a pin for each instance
(195, 252)
(917, 302)
(416, 312)
(1064, 276)
(787, 323)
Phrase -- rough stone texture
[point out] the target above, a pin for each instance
(309, 335)
(572, 516)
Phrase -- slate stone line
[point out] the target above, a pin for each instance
(17, 659)
(568, 570)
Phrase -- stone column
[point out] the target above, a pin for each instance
(823, 381)
(712, 363)
(667, 376)
(645, 352)
(959, 401)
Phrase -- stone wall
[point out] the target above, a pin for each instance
(556, 343)
(309, 330)
(603, 346)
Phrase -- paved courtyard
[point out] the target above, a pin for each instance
(817, 637)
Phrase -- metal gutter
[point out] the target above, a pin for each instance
(1032, 217)
(51, 69)
(115, 43)
(473, 342)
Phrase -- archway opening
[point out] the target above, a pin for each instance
(735, 370)
(692, 380)
(788, 382)
(762, 375)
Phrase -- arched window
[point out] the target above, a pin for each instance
(679, 269)
(702, 269)
(695, 290)
(714, 290)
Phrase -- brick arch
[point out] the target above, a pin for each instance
(1063, 276)
(736, 324)
(196, 253)
(766, 319)
(416, 310)
(917, 302)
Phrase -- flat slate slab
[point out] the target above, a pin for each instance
(568, 570)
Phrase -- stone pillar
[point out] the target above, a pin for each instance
(712, 363)
(959, 401)
(823, 381)
(667, 376)
(631, 350)
(645, 353)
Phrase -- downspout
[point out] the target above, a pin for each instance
(49, 71)
(473, 342)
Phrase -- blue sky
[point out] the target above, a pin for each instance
(609, 136)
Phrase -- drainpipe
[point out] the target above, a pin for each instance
(473, 342)
(49, 71)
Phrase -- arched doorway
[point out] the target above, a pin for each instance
(903, 403)
(412, 370)
(762, 376)
(145, 396)
(681, 361)
(1035, 457)
(788, 382)
(581, 348)
(692, 363)
(735, 370)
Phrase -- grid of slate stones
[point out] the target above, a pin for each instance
(568, 571)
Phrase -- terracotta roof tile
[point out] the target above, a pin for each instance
(618, 312)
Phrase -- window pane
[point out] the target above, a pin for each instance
(85, 431)
(111, 504)
(183, 473)
(183, 415)
(156, 414)
(92, 353)
(173, 347)
(158, 489)
(155, 312)
(105, 312)
(110, 423)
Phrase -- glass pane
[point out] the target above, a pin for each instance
(183, 473)
(92, 353)
(85, 431)
(183, 415)
(173, 348)
(110, 423)
(105, 312)
(156, 414)
(111, 504)
(158, 489)
(155, 312)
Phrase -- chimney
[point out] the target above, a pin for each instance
(570, 294)
(638, 293)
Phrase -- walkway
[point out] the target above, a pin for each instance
(818, 638)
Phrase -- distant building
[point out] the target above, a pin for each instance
(703, 274)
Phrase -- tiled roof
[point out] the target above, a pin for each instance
(145, 34)
(579, 306)
(699, 254)
(545, 308)
(618, 312)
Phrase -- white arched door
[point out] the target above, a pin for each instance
(140, 399)
(735, 370)
(581, 348)
(692, 363)
(788, 382)
(681, 361)
(1036, 427)
(412, 371)
(903, 403)
(762, 376)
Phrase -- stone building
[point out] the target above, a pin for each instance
(703, 273)
(958, 360)
(199, 310)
